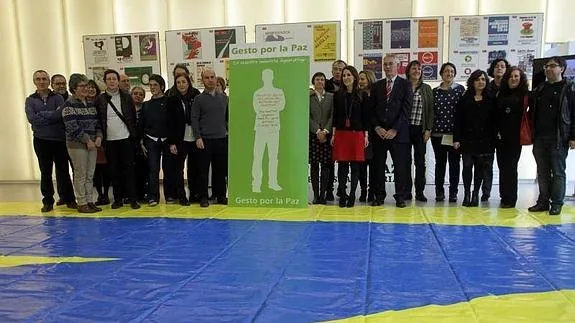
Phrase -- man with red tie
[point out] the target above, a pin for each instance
(392, 99)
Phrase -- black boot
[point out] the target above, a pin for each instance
(467, 198)
(363, 196)
(370, 196)
(351, 200)
(474, 199)
(342, 201)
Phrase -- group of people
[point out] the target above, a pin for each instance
(356, 120)
(115, 138)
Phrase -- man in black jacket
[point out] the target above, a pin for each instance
(553, 114)
(392, 99)
(118, 119)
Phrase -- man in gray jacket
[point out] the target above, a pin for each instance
(43, 110)
(209, 123)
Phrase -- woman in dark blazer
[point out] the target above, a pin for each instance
(349, 133)
(474, 134)
(510, 110)
(180, 137)
(320, 122)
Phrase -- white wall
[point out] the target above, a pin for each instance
(46, 34)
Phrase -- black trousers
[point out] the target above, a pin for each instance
(443, 154)
(215, 152)
(176, 177)
(102, 179)
(488, 175)
(158, 154)
(342, 171)
(54, 153)
(319, 181)
(142, 175)
(120, 155)
(474, 168)
(400, 156)
(507, 159)
(418, 146)
(367, 176)
(551, 162)
(192, 171)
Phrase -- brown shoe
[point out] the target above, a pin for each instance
(86, 209)
(93, 206)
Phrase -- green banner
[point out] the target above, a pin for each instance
(268, 131)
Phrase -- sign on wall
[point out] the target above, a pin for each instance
(202, 48)
(475, 41)
(136, 55)
(322, 38)
(408, 38)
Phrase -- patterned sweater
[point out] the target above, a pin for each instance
(444, 105)
(81, 122)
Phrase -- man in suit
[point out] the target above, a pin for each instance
(392, 99)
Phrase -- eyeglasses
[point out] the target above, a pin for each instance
(549, 66)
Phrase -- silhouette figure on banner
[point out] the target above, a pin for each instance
(268, 101)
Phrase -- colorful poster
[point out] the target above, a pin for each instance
(99, 50)
(403, 59)
(374, 63)
(400, 34)
(495, 54)
(124, 53)
(429, 65)
(325, 42)
(469, 31)
(148, 47)
(223, 38)
(191, 45)
(527, 30)
(498, 31)
(428, 33)
(372, 35)
(139, 75)
(269, 146)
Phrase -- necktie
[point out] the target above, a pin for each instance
(388, 89)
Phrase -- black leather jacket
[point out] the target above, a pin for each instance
(565, 117)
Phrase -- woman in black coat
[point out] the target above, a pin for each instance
(181, 139)
(511, 106)
(474, 134)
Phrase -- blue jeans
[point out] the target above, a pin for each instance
(551, 176)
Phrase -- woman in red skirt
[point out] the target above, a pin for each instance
(349, 133)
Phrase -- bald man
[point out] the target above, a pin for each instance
(125, 83)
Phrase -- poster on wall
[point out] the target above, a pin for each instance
(202, 48)
(136, 55)
(323, 38)
(265, 120)
(407, 38)
(475, 41)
